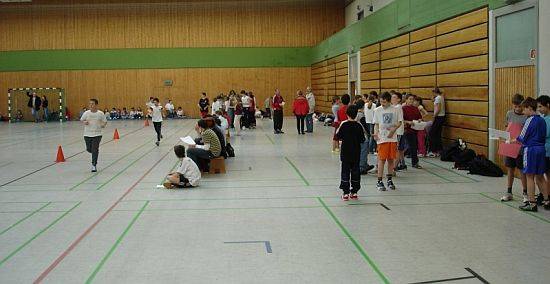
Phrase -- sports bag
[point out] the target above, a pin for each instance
(483, 167)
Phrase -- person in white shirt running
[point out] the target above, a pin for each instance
(155, 111)
(94, 120)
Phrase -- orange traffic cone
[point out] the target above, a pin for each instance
(60, 157)
(146, 122)
(115, 136)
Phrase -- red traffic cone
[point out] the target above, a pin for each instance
(60, 157)
(115, 136)
(146, 122)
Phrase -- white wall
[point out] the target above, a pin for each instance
(544, 47)
(351, 9)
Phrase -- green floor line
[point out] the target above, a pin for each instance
(512, 206)
(449, 170)
(37, 235)
(355, 243)
(297, 171)
(115, 245)
(135, 161)
(269, 138)
(24, 218)
(111, 164)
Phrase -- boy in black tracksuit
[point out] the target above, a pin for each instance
(352, 135)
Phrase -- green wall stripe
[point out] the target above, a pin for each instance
(108, 59)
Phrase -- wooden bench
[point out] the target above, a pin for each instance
(217, 166)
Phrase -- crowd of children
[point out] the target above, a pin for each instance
(391, 126)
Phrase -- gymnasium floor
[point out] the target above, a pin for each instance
(275, 217)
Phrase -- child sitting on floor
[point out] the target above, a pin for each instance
(188, 173)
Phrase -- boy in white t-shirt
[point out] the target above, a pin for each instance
(94, 120)
(155, 111)
(187, 174)
(397, 102)
(387, 119)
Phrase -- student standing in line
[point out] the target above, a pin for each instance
(267, 106)
(515, 117)
(311, 102)
(544, 110)
(94, 120)
(203, 105)
(364, 156)
(252, 111)
(238, 114)
(300, 109)
(231, 108)
(533, 138)
(387, 120)
(421, 134)
(410, 114)
(278, 103)
(335, 108)
(156, 114)
(397, 102)
(351, 133)
(437, 125)
(245, 99)
(368, 111)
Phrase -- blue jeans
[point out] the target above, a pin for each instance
(309, 122)
(364, 160)
(46, 114)
(34, 113)
(231, 113)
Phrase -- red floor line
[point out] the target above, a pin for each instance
(60, 258)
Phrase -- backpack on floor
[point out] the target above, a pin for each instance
(483, 167)
(452, 150)
(464, 158)
(229, 150)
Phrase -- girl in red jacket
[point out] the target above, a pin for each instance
(300, 109)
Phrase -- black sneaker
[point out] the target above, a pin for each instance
(546, 205)
(391, 185)
(367, 170)
(157, 143)
(540, 199)
(530, 207)
(380, 186)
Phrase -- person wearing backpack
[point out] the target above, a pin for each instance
(515, 116)
(532, 139)
(544, 109)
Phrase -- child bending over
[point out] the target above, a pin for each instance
(187, 174)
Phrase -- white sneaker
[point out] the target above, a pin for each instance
(94, 169)
(525, 198)
(507, 197)
(431, 155)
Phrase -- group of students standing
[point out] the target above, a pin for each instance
(36, 103)
(387, 123)
(533, 159)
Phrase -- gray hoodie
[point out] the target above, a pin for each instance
(311, 101)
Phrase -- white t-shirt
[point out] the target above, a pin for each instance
(169, 107)
(401, 129)
(157, 113)
(217, 105)
(95, 120)
(246, 101)
(190, 171)
(387, 118)
(369, 113)
(441, 101)
(224, 124)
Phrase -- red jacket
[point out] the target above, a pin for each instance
(277, 101)
(300, 107)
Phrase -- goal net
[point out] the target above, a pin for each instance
(18, 99)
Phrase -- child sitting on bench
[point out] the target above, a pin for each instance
(187, 174)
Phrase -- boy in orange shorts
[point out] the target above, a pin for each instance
(387, 119)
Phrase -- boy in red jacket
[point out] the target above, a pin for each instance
(300, 109)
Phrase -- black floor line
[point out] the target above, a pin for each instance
(474, 276)
(383, 205)
(53, 163)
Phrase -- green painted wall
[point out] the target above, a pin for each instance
(398, 17)
(47, 60)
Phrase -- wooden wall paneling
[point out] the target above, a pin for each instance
(461, 36)
(475, 63)
(471, 136)
(468, 122)
(422, 70)
(425, 45)
(395, 42)
(422, 34)
(463, 50)
(461, 22)
(478, 78)
(423, 57)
